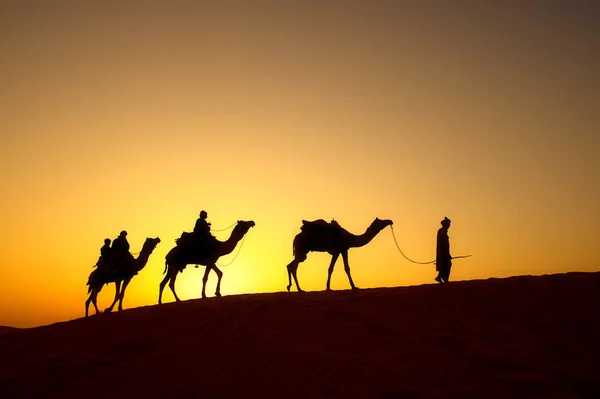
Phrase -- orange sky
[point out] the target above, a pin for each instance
(121, 116)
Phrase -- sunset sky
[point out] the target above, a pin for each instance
(137, 115)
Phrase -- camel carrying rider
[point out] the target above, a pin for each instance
(120, 250)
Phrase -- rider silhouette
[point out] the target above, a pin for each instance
(204, 239)
(104, 253)
(120, 250)
(202, 227)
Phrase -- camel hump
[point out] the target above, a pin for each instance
(319, 225)
(318, 222)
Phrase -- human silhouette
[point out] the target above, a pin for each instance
(120, 243)
(120, 250)
(204, 240)
(104, 253)
(443, 259)
(202, 227)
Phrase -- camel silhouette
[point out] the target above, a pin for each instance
(123, 274)
(333, 239)
(181, 256)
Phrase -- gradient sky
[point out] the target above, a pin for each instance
(136, 115)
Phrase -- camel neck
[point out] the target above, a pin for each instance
(228, 246)
(142, 259)
(364, 238)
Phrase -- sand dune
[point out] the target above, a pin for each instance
(7, 329)
(499, 338)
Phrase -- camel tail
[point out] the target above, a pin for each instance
(166, 267)
(90, 280)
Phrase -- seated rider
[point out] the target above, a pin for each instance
(120, 250)
(104, 253)
(202, 233)
(202, 227)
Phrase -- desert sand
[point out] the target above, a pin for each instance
(520, 337)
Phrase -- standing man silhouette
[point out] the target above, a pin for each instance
(443, 259)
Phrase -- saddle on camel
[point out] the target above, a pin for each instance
(201, 245)
(200, 242)
(311, 230)
(320, 225)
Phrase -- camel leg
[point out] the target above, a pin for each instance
(173, 277)
(87, 302)
(162, 285)
(289, 270)
(347, 269)
(94, 297)
(219, 276)
(334, 258)
(293, 269)
(295, 275)
(117, 292)
(122, 295)
(204, 280)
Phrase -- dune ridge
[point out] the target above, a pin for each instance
(526, 336)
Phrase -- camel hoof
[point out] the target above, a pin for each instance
(288, 288)
(217, 294)
(327, 289)
(355, 288)
(300, 290)
(108, 310)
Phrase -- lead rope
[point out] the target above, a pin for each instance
(419, 263)
(402, 253)
(226, 228)
(236, 255)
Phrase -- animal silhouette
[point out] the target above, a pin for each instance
(181, 256)
(330, 238)
(122, 275)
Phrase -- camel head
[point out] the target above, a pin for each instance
(150, 244)
(243, 226)
(380, 224)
